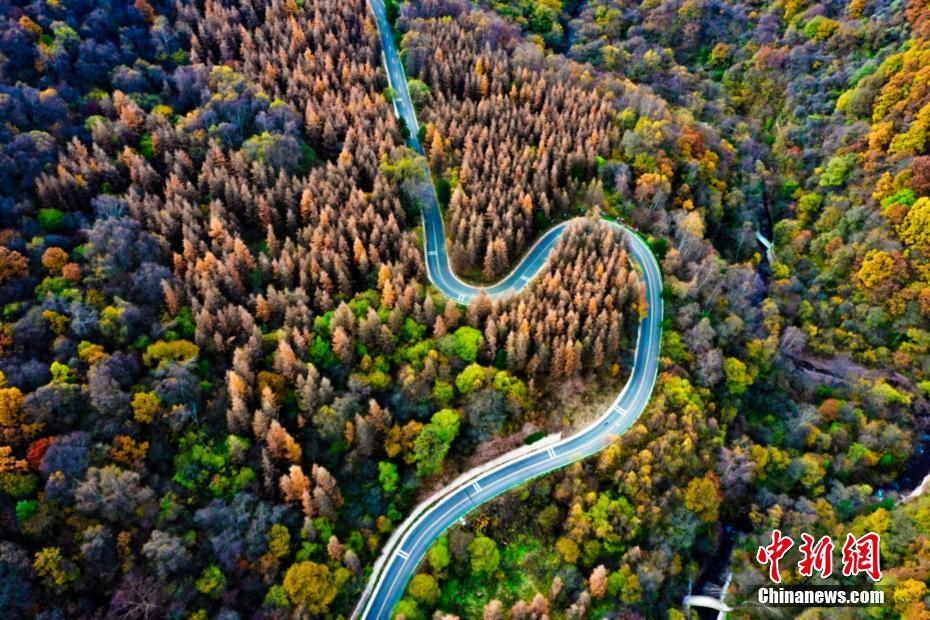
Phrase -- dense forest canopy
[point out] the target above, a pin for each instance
(794, 391)
(224, 375)
(225, 378)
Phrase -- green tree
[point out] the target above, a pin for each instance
(424, 589)
(387, 476)
(212, 582)
(146, 146)
(433, 442)
(510, 386)
(281, 152)
(442, 393)
(624, 583)
(808, 206)
(277, 597)
(484, 555)
(209, 467)
(407, 170)
(419, 92)
(738, 377)
(408, 609)
(472, 378)
(820, 28)
(51, 220)
(467, 340)
(438, 556)
(837, 169)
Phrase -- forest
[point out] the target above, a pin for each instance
(794, 388)
(225, 377)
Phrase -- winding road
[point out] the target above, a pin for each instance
(411, 540)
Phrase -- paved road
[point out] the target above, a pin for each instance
(412, 539)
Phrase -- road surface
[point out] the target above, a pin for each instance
(412, 539)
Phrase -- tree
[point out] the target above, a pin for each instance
(880, 273)
(738, 377)
(494, 610)
(279, 541)
(98, 552)
(569, 550)
(211, 582)
(598, 582)
(424, 589)
(434, 441)
(473, 377)
(624, 583)
(387, 476)
(496, 259)
(702, 496)
(486, 411)
(837, 168)
(69, 454)
(419, 92)
(279, 151)
(436, 154)
(327, 487)
(335, 549)
(438, 555)
(57, 571)
(11, 402)
(129, 452)
(467, 341)
(907, 596)
(408, 609)
(54, 259)
(915, 229)
(281, 444)
(145, 407)
(138, 597)
(442, 392)
(111, 493)
(12, 265)
(401, 440)
(165, 352)
(168, 554)
(920, 178)
(484, 555)
(311, 586)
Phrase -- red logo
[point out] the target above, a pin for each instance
(817, 557)
(860, 555)
(772, 553)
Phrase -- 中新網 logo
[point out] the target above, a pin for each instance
(860, 555)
